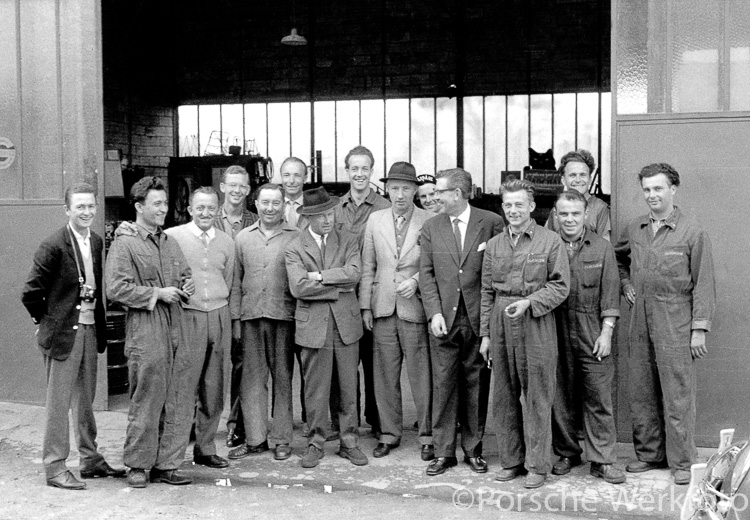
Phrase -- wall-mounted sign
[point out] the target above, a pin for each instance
(7, 153)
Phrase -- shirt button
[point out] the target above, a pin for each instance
(75, 327)
(458, 290)
(455, 308)
(460, 271)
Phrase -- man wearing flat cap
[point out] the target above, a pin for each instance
(324, 267)
(393, 311)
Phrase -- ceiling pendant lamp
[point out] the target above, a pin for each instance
(294, 38)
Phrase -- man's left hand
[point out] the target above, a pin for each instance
(516, 309)
(188, 285)
(407, 288)
(603, 345)
(698, 343)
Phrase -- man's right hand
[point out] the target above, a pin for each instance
(484, 349)
(629, 292)
(236, 330)
(437, 326)
(367, 318)
(126, 228)
(171, 294)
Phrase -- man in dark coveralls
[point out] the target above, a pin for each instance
(667, 275)
(585, 368)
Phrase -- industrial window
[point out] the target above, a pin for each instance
(496, 131)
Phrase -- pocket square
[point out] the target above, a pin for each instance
(482, 247)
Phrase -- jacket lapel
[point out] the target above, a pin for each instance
(332, 245)
(387, 230)
(472, 232)
(449, 238)
(312, 249)
(412, 234)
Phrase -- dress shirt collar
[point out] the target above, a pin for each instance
(79, 236)
(407, 215)
(370, 199)
(193, 227)
(463, 218)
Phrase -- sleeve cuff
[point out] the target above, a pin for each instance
(153, 300)
(614, 313)
(701, 324)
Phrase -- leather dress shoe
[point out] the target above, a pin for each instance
(565, 464)
(245, 450)
(428, 452)
(681, 477)
(137, 478)
(66, 480)
(383, 449)
(440, 464)
(233, 439)
(282, 452)
(312, 456)
(103, 470)
(608, 472)
(354, 455)
(639, 466)
(507, 474)
(169, 476)
(477, 464)
(534, 480)
(211, 461)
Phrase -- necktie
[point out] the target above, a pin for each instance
(400, 222)
(323, 248)
(457, 233)
(204, 237)
(291, 214)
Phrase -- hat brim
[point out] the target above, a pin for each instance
(385, 180)
(319, 208)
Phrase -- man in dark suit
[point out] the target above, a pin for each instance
(64, 297)
(323, 265)
(453, 245)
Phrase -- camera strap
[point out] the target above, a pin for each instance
(73, 243)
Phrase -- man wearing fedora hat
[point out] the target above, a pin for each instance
(324, 267)
(393, 311)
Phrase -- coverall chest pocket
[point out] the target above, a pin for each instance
(501, 268)
(146, 269)
(535, 270)
(674, 261)
(591, 273)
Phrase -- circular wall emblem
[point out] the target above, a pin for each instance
(7, 153)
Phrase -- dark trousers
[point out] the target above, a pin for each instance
(319, 365)
(71, 384)
(235, 419)
(456, 366)
(371, 408)
(583, 394)
(524, 360)
(268, 350)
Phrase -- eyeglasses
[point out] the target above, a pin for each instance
(234, 186)
(446, 189)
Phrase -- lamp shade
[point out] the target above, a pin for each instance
(294, 38)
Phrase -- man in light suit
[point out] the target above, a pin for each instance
(453, 245)
(392, 309)
(64, 297)
(324, 266)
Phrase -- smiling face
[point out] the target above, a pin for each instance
(153, 210)
(659, 194)
(517, 208)
(448, 199)
(322, 223)
(270, 206)
(401, 194)
(360, 171)
(235, 188)
(204, 209)
(576, 176)
(81, 211)
(293, 179)
(571, 216)
(427, 197)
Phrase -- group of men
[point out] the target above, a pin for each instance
(447, 289)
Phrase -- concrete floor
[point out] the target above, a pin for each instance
(259, 487)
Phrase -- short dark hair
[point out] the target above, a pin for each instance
(140, 189)
(572, 196)
(206, 190)
(359, 150)
(581, 156)
(514, 185)
(79, 187)
(656, 168)
(457, 178)
(269, 186)
(294, 160)
(234, 170)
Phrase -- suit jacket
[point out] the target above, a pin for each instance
(383, 269)
(442, 273)
(341, 272)
(51, 293)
